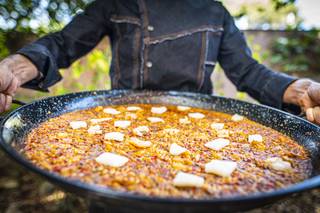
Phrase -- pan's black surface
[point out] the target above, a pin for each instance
(17, 124)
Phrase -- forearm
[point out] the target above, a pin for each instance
(257, 80)
(269, 86)
(245, 72)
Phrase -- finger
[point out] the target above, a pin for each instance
(314, 92)
(309, 114)
(11, 90)
(8, 102)
(2, 102)
(316, 114)
(6, 77)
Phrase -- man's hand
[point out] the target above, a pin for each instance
(15, 70)
(306, 94)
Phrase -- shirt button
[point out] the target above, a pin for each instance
(149, 64)
(150, 28)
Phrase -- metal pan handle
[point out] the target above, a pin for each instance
(21, 103)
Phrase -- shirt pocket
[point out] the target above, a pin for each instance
(126, 41)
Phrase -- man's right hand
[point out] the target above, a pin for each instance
(15, 70)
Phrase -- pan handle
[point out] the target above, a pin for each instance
(21, 103)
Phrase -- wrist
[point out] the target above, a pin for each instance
(296, 91)
(22, 68)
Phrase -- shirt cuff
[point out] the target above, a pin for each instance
(41, 57)
(274, 89)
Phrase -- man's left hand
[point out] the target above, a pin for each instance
(306, 94)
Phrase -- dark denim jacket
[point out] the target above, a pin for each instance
(159, 44)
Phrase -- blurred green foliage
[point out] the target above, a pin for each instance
(4, 51)
(37, 17)
(282, 3)
(270, 14)
(297, 52)
(19, 14)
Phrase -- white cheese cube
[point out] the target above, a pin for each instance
(277, 163)
(99, 120)
(111, 111)
(257, 138)
(122, 124)
(95, 130)
(222, 168)
(183, 108)
(184, 120)
(139, 143)
(217, 144)
(141, 130)
(155, 119)
(183, 179)
(111, 159)
(196, 115)
(116, 136)
(133, 108)
(217, 126)
(237, 118)
(175, 149)
(78, 124)
(158, 110)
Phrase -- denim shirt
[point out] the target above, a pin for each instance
(159, 45)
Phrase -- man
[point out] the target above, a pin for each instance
(158, 45)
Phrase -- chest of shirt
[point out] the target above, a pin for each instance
(158, 39)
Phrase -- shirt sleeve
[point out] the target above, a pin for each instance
(61, 49)
(247, 74)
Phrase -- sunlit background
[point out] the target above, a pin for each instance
(270, 27)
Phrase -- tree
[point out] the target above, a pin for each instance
(31, 15)
(22, 21)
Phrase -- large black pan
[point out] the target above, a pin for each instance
(18, 123)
